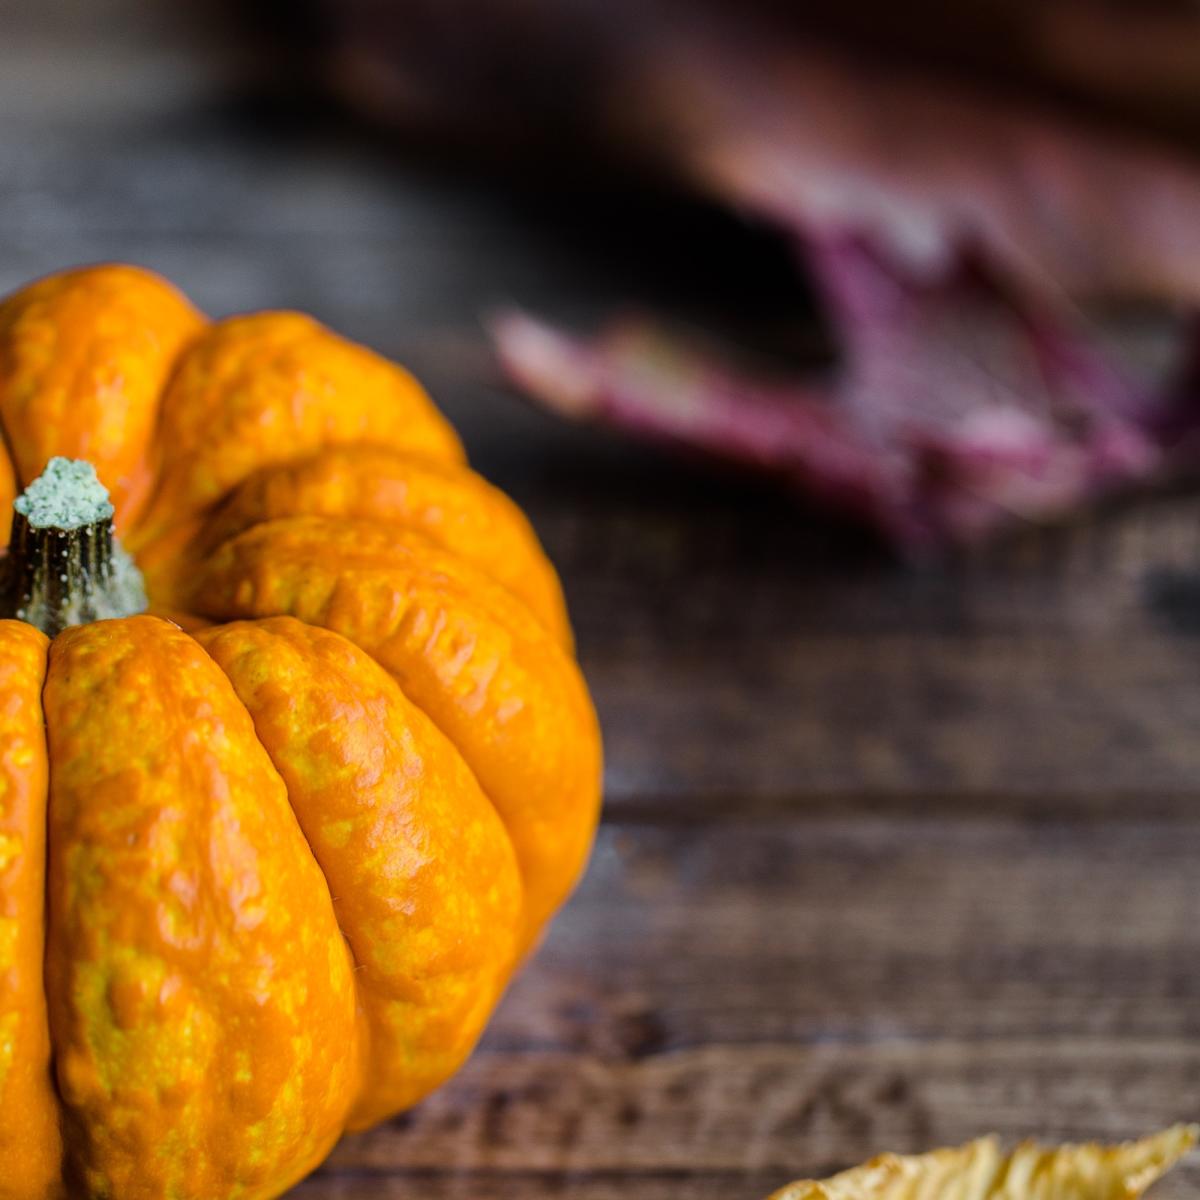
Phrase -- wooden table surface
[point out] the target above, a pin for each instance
(891, 857)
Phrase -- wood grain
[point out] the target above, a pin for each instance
(720, 1007)
(894, 855)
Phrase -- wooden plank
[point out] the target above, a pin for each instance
(772, 1111)
(733, 657)
(856, 927)
(670, 1185)
(449, 1184)
(792, 996)
(900, 715)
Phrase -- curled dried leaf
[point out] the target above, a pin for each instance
(980, 1171)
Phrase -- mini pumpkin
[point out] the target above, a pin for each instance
(268, 857)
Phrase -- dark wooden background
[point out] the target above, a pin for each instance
(892, 857)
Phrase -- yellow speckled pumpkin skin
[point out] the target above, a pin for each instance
(263, 881)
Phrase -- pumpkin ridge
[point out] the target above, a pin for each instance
(457, 509)
(435, 623)
(263, 388)
(83, 355)
(506, 609)
(10, 484)
(452, 977)
(30, 1145)
(177, 902)
(152, 460)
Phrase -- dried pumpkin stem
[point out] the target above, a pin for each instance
(64, 564)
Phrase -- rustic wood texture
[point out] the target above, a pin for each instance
(893, 856)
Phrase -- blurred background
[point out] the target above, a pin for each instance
(844, 357)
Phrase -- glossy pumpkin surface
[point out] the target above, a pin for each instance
(263, 881)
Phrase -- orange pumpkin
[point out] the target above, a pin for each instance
(264, 880)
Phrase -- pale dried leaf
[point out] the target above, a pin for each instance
(979, 1171)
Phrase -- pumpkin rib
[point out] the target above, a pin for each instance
(30, 1146)
(424, 873)
(9, 488)
(267, 387)
(464, 650)
(84, 358)
(181, 894)
(449, 503)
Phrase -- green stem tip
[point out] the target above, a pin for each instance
(64, 564)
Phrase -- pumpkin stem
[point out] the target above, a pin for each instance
(64, 566)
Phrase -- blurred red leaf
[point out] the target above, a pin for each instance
(949, 224)
(956, 409)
